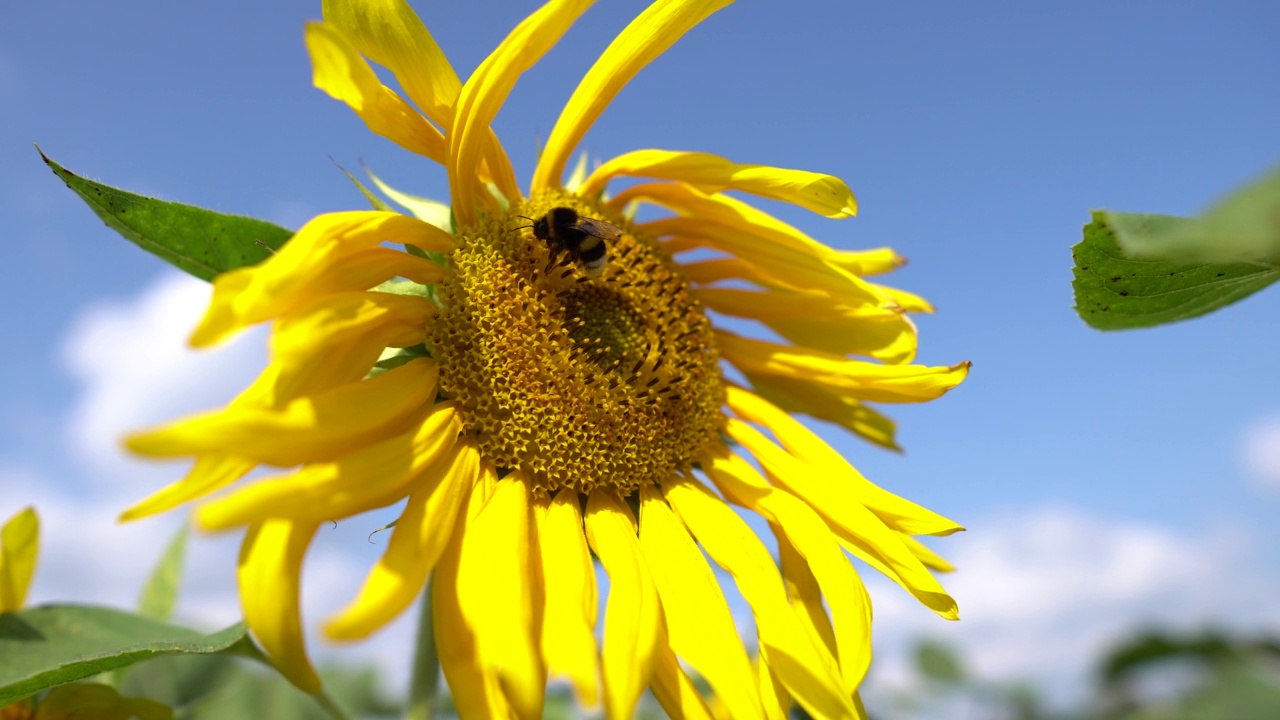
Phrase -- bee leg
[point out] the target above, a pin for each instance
(552, 256)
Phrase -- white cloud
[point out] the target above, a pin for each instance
(1043, 593)
(1261, 452)
(135, 369)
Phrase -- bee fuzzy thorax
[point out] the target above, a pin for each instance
(582, 239)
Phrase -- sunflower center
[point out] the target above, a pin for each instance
(580, 375)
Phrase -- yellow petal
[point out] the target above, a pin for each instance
(675, 692)
(859, 379)
(807, 670)
(269, 574)
(717, 209)
(801, 396)
(859, 530)
(331, 253)
(804, 529)
(804, 591)
(699, 624)
(823, 194)
(370, 478)
(209, 474)
(337, 340)
(338, 69)
(19, 550)
(569, 579)
(419, 538)
(632, 615)
(647, 37)
(909, 302)
(487, 88)
(833, 472)
(777, 701)
(719, 269)
(500, 595)
(390, 33)
(931, 559)
(473, 684)
(309, 429)
(817, 321)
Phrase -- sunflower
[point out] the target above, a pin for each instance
(535, 412)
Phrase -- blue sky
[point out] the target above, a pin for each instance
(977, 137)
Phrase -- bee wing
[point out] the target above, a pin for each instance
(598, 228)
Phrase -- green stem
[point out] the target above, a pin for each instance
(426, 665)
(247, 648)
(330, 706)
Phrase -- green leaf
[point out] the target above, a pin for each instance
(1117, 292)
(938, 662)
(1243, 227)
(202, 242)
(161, 591)
(49, 645)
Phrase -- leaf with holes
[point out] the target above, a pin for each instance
(202, 242)
(1117, 292)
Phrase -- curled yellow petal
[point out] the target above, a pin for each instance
(568, 576)
(643, 40)
(417, 541)
(858, 529)
(859, 379)
(632, 615)
(804, 530)
(926, 555)
(833, 472)
(373, 477)
(19, 550)
(390, 33)
(808, 671)
(308, 429)
(699, 624)
(817, 321)
(798, 395)
(823, 194)
(338, 69)
(487, 88)
(331, 253)
(337, 340)
(718, 209)
(209, 474)
(270, 573)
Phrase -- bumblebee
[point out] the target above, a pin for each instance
(584, 239)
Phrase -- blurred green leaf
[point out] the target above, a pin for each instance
(202, 242)
(1116, 292)
(1243, 227)
(160, 594)
(938, 662)
(181, 681)
(54, 644)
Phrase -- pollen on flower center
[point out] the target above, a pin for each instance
(578, 381)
